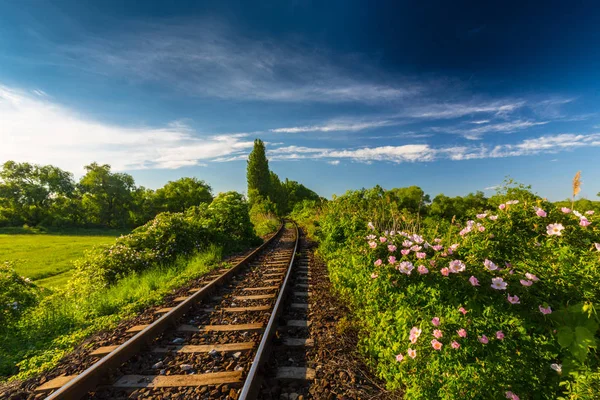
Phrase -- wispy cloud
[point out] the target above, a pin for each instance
(35, 129)
(483, 128)
(340, 125)
(457, 110)
(205, 58)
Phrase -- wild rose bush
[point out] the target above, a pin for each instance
(16, 294)
(501, 307)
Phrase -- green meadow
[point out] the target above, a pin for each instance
(47, 258)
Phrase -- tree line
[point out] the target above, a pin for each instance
(266, 192)
(45, 195)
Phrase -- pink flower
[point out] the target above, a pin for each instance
(422, 269)
(411, 353)
(454, 246)
(498, 284)
(554, 229)
(590, 212)
(462, 333)
(421, 255)
(374, 275)
(481, 216)
(437, 333)
(432, 262)
(391, 247)
(378, 262)
(474, 281)
(463, 310)
(435, 321)
(457, 266)
(483, 339)
(436, 345)
(437, 240)
(445, 271)
(545, 310)
(406, 267)
(565, 210)
(372, 244)
(437, 247)
(370, 226)
(512, 202)
(500, 335)
(416, 248)
(399, 357)
(481, 228)
(490, 265)
(493, 217)
(502, 206)
(383, 239)
(540, 213)
(597, 246)
(414, 334)
(405, 252)
(532, 277)
(391, 259)
(526, 283)
(407, 243)
(584, 222)
(511, 396)
(513, 299)
(455, 345)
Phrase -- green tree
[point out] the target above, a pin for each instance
(179, 195)
(107, 196)
(27, 191)
(258, 174)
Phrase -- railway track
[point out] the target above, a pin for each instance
(211, 343)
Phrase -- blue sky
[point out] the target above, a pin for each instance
(450, 96)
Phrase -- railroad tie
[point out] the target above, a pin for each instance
(295, 373)
(155, 381)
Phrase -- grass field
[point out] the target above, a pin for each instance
(47, 258)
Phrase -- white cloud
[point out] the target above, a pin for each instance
(493, 187)
(479, 131)
(34, 129)
(340, 125)
(547, 144)
(457, 110)
(209, 59)
(334, 162)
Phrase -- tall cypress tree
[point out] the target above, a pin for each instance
(258, 171)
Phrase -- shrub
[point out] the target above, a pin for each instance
(264, 216)
(16, 294)
(417, 286)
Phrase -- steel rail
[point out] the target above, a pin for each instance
(92, 376)
(253, 381)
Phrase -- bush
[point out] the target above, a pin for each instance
(417, 286)
(16, 294)
(264, 216)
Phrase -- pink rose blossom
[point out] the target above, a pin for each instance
(445, 271)
(500, 335)
(405, 252)
(462, 333)
(490, 265)
(432, 262)
(370, 226)
(406, 267)
(481, 216)
(416, 248)
(436, 345)
(372, 244)
(511, 396)
(532, 277)
(455, 345)
(421, 255)
(391, 259)
(565, 210)
(437, 247)
(540, 213)
(597, 246)
(414, 334)
(374, 275)
(437, 333)
(584, 222)
(512, 202)
(463, 310)
(545, 310)
(407, 243)
(526, 283)
(502, 206)
(437, 240)
(483, 339)
(481, 228)
(422, 270)
(493, 217)
(435, 321)
(411, 353)
(499, 284)
(590, 212)
(383, 239)
(454, 246)
(378, 263)
(513, 299)
(399, 357)
(391, 247)
(474, 281)
(456, 266)
(554, 229)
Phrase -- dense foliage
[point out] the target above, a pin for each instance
(16, 294)
(499, 306)
(225, 222)
(46, 195)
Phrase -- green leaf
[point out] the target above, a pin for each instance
(565, 336)
(584, 338)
